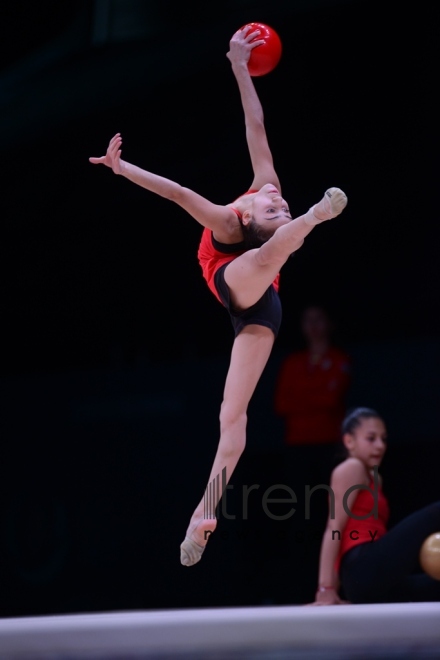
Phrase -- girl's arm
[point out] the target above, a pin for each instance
(349, 473)
(240, 48)
(221, 219)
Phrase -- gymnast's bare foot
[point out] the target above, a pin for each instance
(197, 536)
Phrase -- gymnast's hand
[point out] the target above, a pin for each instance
(240, 47)
(113, 156)
(328, 597)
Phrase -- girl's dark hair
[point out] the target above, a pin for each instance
(254, 236)
(354, 418)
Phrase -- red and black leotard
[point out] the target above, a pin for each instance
(212, 255)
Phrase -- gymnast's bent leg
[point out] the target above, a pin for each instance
(388, 570)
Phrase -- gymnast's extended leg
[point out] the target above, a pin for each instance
(250, 352)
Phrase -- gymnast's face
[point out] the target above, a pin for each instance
(269, 209)
(367, 442)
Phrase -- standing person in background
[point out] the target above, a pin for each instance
(312, 384)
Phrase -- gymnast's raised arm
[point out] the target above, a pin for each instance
(240, 47)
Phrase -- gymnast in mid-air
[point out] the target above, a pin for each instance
(243, 246)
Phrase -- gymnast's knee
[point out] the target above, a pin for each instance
(232, 429)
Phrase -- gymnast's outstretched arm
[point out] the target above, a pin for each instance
(217, 217)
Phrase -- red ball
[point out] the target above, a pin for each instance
(264, 58)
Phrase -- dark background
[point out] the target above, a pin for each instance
(114, 350)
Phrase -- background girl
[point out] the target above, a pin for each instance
(359, 555)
